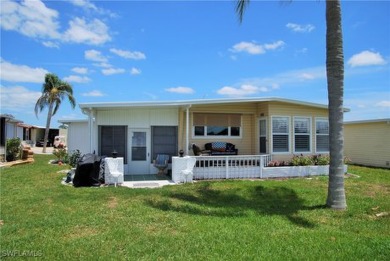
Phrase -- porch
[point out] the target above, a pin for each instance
(230, 167)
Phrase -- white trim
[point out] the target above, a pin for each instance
(205, 137)
(315, 130)
(266, 134)
(198, 102)
(310, 134)
(368, 121)
(288, 134)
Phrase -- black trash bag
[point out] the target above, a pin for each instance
(87, 171)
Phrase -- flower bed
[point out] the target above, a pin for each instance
(299, 166)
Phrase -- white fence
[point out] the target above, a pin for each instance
(230, 167)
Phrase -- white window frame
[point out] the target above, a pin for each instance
(288, 134)
(205, 136)
(303, 134)
(317, 134)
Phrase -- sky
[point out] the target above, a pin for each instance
(124, 51)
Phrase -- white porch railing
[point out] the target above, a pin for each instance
(230, 167)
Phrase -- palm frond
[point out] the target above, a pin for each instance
(240, 8)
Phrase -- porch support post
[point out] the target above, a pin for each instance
(187, 129)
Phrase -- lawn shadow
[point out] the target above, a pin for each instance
(236, 202)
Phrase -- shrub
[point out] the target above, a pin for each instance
(275, 163)
(302, 160)
(61, 155)
(74, 158)
(13, 149)
(321, 159)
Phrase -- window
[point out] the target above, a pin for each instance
(113, 138)
(216, 124)
(280, 134)
(164, 141)
(302, 129)
(322, 135)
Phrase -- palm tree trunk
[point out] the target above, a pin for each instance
(335, 77)
(48, 120)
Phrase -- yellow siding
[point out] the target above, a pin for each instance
(368, 143)
(251, 113)
(245, 144)
(294, 110)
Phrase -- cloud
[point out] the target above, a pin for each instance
(51, 44)
(84, 3)
(366, 58)
(80, 31)
(256, 85)
(77, 79)
(110, 71)
(33, 19)
(135, 71)
(274, 46)
(307, 28)
(80, 70)
(128, 54)
(181, 90)
(247, 47)
(367, 105)
(103, 65)
(18, 98)
(243, 90)
(30, 18)
(95, 56)
(21, 73)
(384, 104)
(94, 93)
(253, 48)
(87, 5)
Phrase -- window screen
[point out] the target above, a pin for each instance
(113, 138)
(164, 141)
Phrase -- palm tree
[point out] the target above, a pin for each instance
(335, 79)
(54, 91)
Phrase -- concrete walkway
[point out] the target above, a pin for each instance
(147, 183)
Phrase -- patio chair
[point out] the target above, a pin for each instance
(114, 169)
(161, 163)
(198, 152)
(188, 171)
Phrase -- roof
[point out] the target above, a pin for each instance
(10, 118)
(195, 102)
(368, 121)
(65, 121)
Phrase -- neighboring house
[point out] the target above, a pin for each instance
(8, 130)
(14, 128)
(138, 131)
(368, 142)
(77, 135)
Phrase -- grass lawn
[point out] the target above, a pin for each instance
(216, 220)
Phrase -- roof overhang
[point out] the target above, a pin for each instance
(369, 121)
(184, 103)
(67, 121)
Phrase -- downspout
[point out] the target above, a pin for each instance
(187, 129)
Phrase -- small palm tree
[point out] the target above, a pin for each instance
(54, 91)
(335, 78)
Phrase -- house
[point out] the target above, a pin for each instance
(8, 130)
(77, 135)
(14, 128)
(138, 131)
(367, 142)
